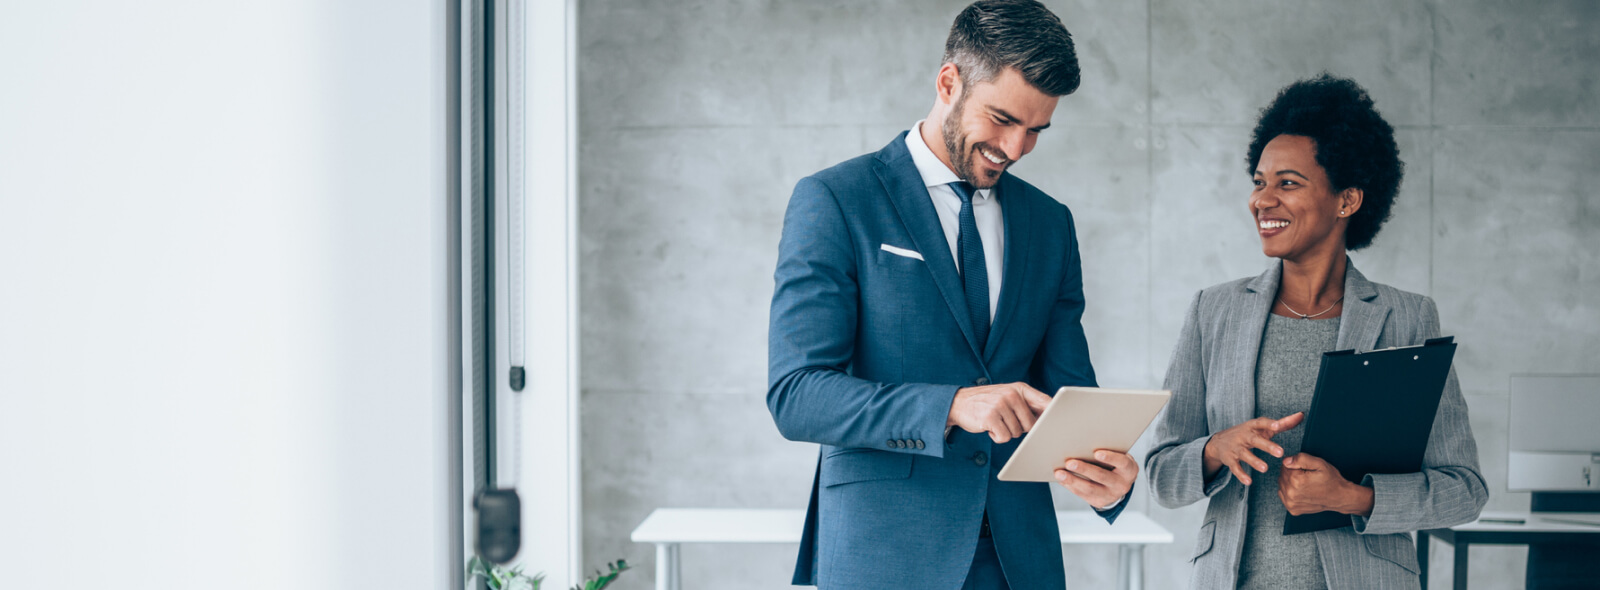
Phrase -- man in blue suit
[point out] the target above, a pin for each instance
(924, 298)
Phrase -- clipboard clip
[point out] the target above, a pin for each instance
(1426, 343)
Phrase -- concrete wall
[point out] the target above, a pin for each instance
(699, 116)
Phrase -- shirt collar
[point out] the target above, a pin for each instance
(934, 172)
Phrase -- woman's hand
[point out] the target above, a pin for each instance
(1232, 447)
(1308, 485)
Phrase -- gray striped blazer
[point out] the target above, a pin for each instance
(1213, 383)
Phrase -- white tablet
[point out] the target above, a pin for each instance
(1078, 422)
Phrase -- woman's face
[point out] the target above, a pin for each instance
(1297, 212)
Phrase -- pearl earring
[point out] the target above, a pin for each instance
(1341, 212)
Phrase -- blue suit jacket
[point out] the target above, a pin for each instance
(866, 350)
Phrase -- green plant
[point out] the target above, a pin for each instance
(501, 578)
(601, 581)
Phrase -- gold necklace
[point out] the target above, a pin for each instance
(1307, 317)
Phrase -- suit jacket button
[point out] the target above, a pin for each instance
(891, 443)
(919, 445)
(981, 381)
(980, 458)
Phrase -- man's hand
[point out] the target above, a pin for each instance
(1233, 448)
(1004, 411)
(1308, 485)
(1102, 485)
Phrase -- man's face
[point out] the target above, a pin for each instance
(993, 124)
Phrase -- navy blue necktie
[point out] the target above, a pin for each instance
(974, 272)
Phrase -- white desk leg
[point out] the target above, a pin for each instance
(1122, 567)
(668, 573)
(1130, 567)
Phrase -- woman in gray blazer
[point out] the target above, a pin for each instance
(1326, 173)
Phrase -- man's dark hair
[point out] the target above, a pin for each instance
(1355, 146)
(992, 35)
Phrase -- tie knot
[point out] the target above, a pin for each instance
(963, 190)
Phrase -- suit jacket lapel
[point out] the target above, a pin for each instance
(1362, 319)
(1259, 296)
(1360, 324)
(911, 201)
(1015, 215)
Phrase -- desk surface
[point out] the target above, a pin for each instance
(1542, 522)
(764, 525)
(1546, 527)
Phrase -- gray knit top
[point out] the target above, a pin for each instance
(1286, 377)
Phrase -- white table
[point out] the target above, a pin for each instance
(668, 528)
(1504, 528)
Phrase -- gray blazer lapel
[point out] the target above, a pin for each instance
(911, 201)
(1260, 293)
(1362, 319)
(1018, 232)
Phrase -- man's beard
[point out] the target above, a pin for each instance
(955, 144)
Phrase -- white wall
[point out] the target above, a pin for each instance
(552, 521)
(222, 295)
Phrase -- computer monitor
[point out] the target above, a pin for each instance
(1554, 433)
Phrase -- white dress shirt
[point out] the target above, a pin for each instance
(985, 210)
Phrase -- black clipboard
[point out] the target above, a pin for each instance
(1372, 413)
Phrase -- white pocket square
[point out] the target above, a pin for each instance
(902, 252)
